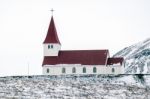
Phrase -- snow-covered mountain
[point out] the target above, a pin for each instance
(137, 57)
(75, 87)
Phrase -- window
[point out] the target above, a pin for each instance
(47, 70)
(84, 70)
(48, 46)
(73, 70)
(113, 70)
(63, 70)
(51, 46)
(94, 70)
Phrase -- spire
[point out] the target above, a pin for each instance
(51, 36)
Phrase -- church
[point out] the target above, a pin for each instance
(63, 62)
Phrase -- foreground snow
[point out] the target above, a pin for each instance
(74, 87)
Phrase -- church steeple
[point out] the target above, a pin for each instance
(51, 43)
(52, 36)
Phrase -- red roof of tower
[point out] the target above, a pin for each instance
(83, 57)
(52, 36)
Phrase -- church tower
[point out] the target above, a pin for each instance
(51, 43)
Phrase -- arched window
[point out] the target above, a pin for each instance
(49, 47)
(94, 70)
(73, 70)
(113, 70)
(84, 70)
(63, 70)
(47, 70)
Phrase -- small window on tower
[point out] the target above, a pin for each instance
(50, 46)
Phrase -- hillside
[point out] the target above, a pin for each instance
(137, 57)
(74, 87)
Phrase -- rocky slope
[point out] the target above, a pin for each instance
(76, 87)
(137, 57)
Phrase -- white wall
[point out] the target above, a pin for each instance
(52, 51)
(57, 69)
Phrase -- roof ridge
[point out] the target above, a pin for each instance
(87, 50)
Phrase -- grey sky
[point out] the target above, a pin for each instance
(81, 24)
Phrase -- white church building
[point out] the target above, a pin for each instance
(62, 62)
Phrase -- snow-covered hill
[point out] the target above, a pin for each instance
(137, 57)
(74, 87)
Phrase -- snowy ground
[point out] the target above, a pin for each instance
(73, 87)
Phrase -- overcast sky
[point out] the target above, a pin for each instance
(81, 24)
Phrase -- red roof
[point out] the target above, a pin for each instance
(84, 57)
(115, 60)
(52, 33)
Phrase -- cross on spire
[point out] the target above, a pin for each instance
(52, 10)
(52, 36)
